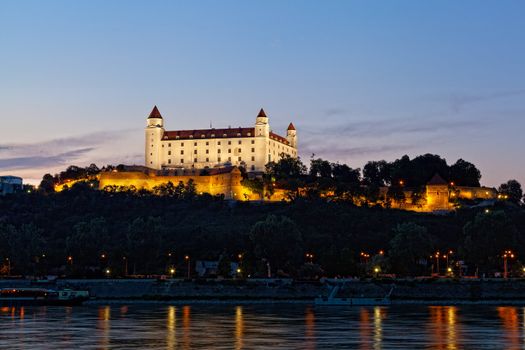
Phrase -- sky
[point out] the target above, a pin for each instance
(360, 80)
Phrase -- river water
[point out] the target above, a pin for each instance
(282, 326)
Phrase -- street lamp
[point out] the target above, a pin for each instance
(506, 255)
(311, 257)
(125, 265)
(70, 260)
(187, 258)
(172, 272)
(108, 272)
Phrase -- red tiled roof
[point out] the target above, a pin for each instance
(261, 114)
(291, 127)
(217, 133)
(437, 180)
(155, 113)
(279, 138)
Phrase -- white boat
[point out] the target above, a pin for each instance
(41, 296)
(333, 300)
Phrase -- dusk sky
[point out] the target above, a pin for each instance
(361, 80)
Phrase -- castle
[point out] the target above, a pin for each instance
(251, 148)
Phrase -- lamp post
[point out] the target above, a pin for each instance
(125, 265)
(311, 257)
(187, 258)
(437, 262)
(172, 272)
(506, 255)
(8, 266)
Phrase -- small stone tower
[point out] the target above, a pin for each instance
(262, 127)
(291, 135)
(154, 132)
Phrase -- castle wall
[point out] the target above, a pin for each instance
(228, 184)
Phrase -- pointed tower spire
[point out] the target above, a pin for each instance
(155, 113)
(261, 114)
(291, 127)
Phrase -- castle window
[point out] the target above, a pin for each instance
(229, 159)
(229, 142)
(207, 143)
(195, 152)
(240, 142)
(253, 142)
(203, 136)
(219, 143)
(151, 154)
(224, 135)
(253, 149)
(219, 151)
(253, 167)
(177, 137)
(207, 159)
(229, 150)
(207, 151)
(249, 134)
(194, 160)
(240, 150)
(181, 151)
(182, 144)
(195, 144)
(162, 146)
(191, 136)
(169, 144)
(212, 135)
(169, 153)
(253, 159)
(169, 161)
(219, 159)
(240, 159)
(182, 161)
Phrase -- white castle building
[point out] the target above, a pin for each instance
(251, 147)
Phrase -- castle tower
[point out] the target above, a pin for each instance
(291, 135)
(154, 132)
(262, 135)
(262, 127)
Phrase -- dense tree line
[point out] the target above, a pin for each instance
(82, 231)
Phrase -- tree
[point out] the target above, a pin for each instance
(376, 173)
(224, 268)
(463, 173)
(286, 168)
(47, 185)
(278, 240)
(512, 189)
(411, 243)
(487, 236)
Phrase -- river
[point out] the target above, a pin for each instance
(284, 326)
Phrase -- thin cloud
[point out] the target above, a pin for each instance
(43, 161)
(458, 102)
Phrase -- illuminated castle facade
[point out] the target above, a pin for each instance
(251, 148)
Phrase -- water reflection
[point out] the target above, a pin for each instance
(262, 327)
(443, 327)
(510, 320)
(104, 316)
(239, 328)
(186, 327)
(309, 334)
(171, 322)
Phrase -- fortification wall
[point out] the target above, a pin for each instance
(228, 184)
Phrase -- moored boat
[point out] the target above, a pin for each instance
(41, 296)
(333, 300)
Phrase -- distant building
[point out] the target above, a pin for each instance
(205, 268)
(251, 148)
(10, 184)
(442, 196)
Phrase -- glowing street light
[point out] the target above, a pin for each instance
(506, 255)
(108, 272)
(187, 258)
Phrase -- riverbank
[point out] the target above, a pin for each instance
(433, 291)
